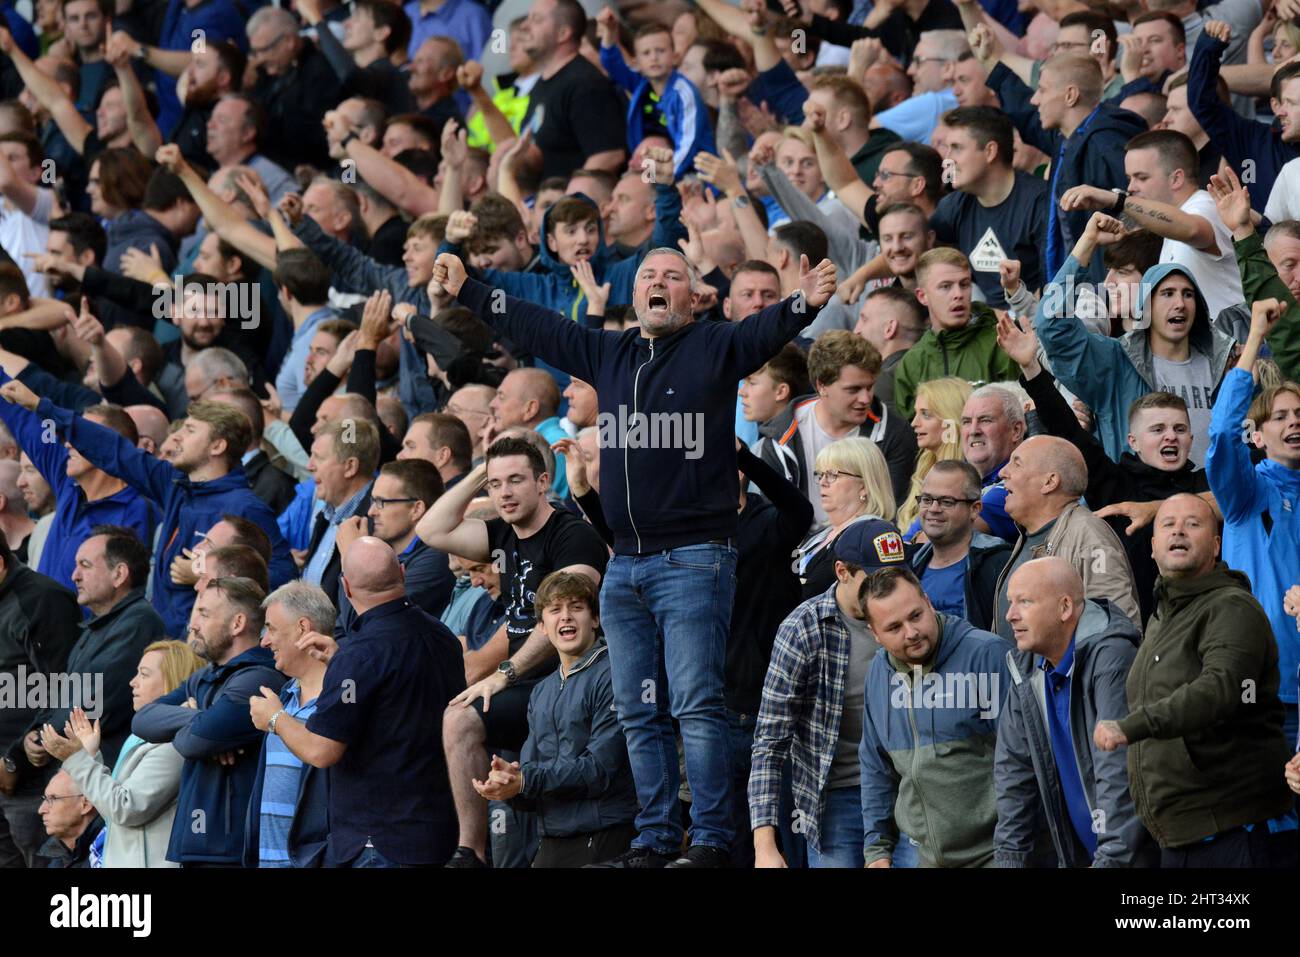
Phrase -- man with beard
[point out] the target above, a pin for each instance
(203, 481)
(39, 498)
(214, 71)
(673, 572)
(207, 720)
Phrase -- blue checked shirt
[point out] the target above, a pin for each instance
(799, 717)
(320, 558)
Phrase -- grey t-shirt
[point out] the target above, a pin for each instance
(846, 770)
(1026, 554)
(1193, 382)
(815, 438)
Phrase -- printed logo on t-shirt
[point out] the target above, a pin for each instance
(988, 254)
(1197, 397)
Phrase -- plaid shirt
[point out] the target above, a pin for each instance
(803, 700)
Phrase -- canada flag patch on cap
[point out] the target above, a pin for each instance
(889, 547)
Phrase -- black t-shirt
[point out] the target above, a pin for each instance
(564, 540)
(1016, 228)
(583, 114)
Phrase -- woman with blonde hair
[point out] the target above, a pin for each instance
(853, 481)
(137, 799)
(937, 424)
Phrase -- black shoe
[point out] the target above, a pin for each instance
(640, 857)
(701, 855)
(465, 857)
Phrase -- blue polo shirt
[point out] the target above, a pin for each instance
(214, 20)
(290, 382)
(994, 512)
(383, 696)
(466, 22)
(280, 786)
(1057, 685)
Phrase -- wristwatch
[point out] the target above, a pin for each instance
(270, 725)
(741, 201)
(1121, 197)
(10, 765)
(352, 135)
(507, 668)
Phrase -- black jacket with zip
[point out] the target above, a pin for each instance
(684, 387)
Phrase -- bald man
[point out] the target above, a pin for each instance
(16, 524)
(151, 424)
(1044, 479)
(1068, 670)
(1204, 741)
(378, 721)
(531, 398)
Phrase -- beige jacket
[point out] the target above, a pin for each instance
(1096, 553)
(137, 806)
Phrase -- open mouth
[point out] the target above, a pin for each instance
(1179, 548)
(1169, 453)
(1177, 322)
(657, 301)
(568, 631)
(1292, 440)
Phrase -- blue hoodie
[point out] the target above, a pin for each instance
(1107, 374)
(553, 285)
(671, 487)
(74, 517)
(136, 229)
(189, 508)
(212, 794)
(683, 109)
(1261, 517)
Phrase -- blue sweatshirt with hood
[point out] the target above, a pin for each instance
(1261, 518)
(189, 508)
(212, 794)
(667, 409)
(553, 285)
(1107, 374)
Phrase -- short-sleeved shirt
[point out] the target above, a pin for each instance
(1015, 228)
(1217, 276)
(815, 438)
(21, 234)
(280, 786)
(383, 696)
(582, 114)
(564, 540)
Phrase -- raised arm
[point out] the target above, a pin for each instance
(470, 77)
(445, 527)
(1163, 219)
(221, 216)
(49, 95)
(144, 131)
(391, 179)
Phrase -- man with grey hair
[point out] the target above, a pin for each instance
(667, 595)
(992, 425)
(932, 94)
(212, 368)
(295, 85)
(289, 819)
(1068, 670)
(1043, 481)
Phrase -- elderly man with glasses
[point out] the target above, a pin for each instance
(70, 820)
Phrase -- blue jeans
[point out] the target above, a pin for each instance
(840, 831)
(666, 618)
(371, 858)
(905, 852)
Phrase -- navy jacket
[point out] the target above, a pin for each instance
(310, 830)
(681, 385)
(576, 773)
(1093, 157)
(213, 799)
(189, 508)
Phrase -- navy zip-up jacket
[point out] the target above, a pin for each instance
(213, 799)
(189, 508)
(680, 387)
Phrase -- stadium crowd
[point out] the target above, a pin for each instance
(800, 433)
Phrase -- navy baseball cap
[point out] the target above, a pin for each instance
(871, 543)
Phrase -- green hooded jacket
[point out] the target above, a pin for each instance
(970, 353)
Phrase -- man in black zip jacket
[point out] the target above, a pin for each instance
(1160, 436)
(668, 468)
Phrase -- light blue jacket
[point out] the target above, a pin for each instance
(682, 106)
(1266, 550)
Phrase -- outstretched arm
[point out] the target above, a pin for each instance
(49, 95)
(220, 215)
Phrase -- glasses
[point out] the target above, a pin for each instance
(382, 503)
(826, 478)
(884, 175)
(51, 799)
(945, 502)
(259, 51)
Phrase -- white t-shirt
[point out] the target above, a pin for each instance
(1193, 382)
(1284, 198)
(1217, 276)
(815, 438)
(21, 234)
